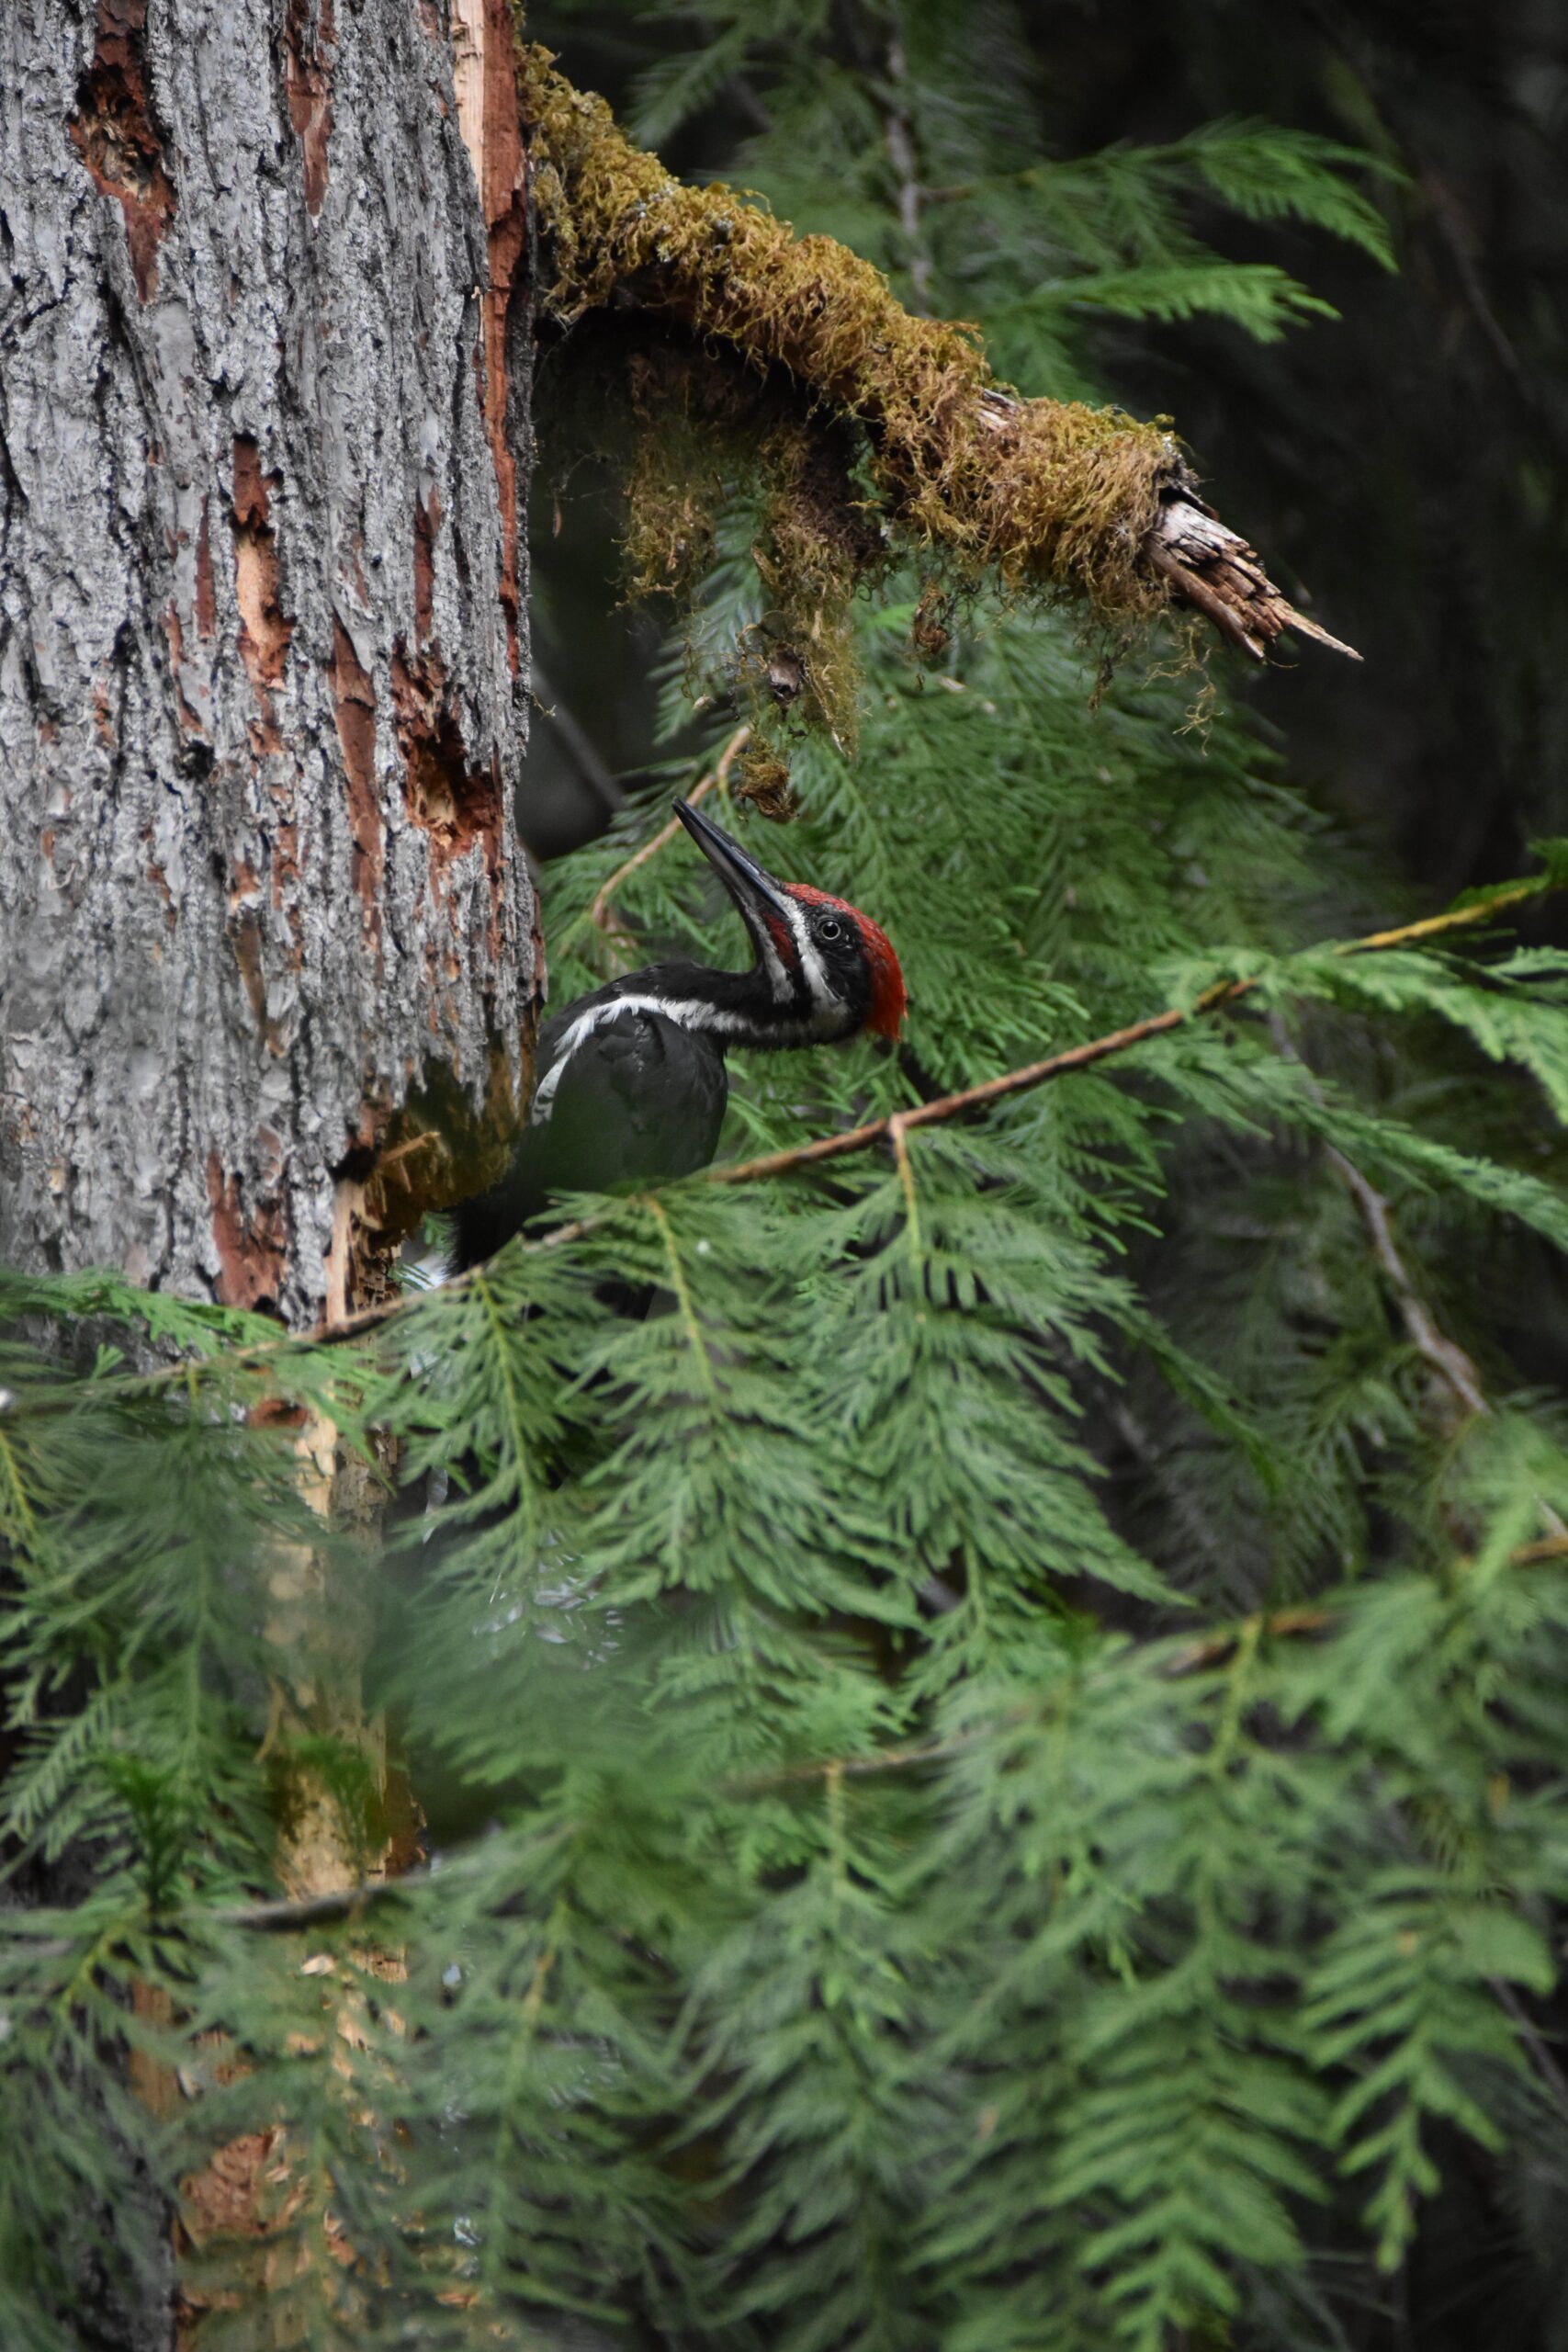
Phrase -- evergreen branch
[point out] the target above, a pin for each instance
(898, 1129)
(1274, 1624)
(1207, 1650)
(515, 1420)
(980, 1097)
(1289, 1624)
(849, 1140)
(13, 1482)
(279, 1915)
(1540, 2056)
(876, 1760)
(283, 1914)
(1119, 1041)
(683, 1302)
(1450, 1363)
(1446, 1357)
(1532, 1555)
(1261, 170)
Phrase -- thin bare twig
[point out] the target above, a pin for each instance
(280, 1914)
(1446, 1357)
(717, 777)
(1098, 1049)
(976, 1097)
(1282, 1624)
(1291, 1623)
(1453, 1367)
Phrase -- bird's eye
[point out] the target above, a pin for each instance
(829, 929)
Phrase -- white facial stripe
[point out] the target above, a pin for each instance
(824, 997)
(686, 1013)
(779, 982)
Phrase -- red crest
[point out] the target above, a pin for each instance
(887, 997)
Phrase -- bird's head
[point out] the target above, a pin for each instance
(829, 968)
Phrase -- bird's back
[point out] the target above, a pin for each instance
(623, 1095)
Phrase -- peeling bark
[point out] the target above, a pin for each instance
(486, 79)
(263, 642)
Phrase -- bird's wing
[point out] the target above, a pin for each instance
(641, 1098)
(638, 1099)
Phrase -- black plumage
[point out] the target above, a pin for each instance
(641, 1103)
(630, 1084)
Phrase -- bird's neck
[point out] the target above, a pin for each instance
(736, 1008)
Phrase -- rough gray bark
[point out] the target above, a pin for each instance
(263, 641)
(268, 948)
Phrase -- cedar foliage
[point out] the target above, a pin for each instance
(997, 1759)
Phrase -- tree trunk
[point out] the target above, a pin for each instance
(269, 960)
(263, 634)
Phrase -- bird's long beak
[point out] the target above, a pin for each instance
(759, 898)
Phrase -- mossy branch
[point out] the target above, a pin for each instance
(1050, 496)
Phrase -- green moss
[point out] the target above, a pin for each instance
(763, 781)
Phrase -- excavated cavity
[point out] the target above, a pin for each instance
(454, 802)
(251, 1244)
(118, 139)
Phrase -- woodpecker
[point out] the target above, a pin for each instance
(631, 1084)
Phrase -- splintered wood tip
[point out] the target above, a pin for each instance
(1213, 569)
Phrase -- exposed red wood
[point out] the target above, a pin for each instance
(355, 699)
(264, 628)
(454, 802)
(253, 488)
(308, 87)
(485, 74)
(285, 860)
(118, 139)
(253, 1249)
